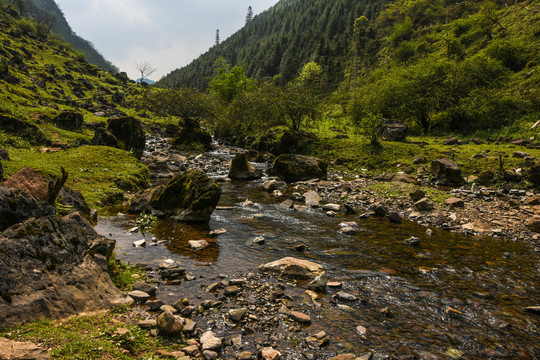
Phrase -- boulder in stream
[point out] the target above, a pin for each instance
(293, 267)
(192, 196)
(242, 170)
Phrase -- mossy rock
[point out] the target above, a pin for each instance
(192, 138)
(280, 142)
(69, 120)
(23, 129)
(291, 167)
(192, 196)
(130, 134)
(242, 170)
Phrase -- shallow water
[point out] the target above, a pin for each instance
(451, 292)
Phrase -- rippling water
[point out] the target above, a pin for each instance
(451, 292)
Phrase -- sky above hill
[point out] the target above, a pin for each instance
(167, 33)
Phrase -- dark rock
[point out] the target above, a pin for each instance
(423, 204)
(242, 170)
(293, 168)
(139, 296)
(412, 241)
(451, 141)
(392, 130)
(486, 177)
(141, 202)
(103, 137)
(534, 173)
(4, 155)
(379, 210)
(511, 175)
(533, 310)
(23, 129)
(147, 288)
(191, 136)
(130, 134)
(417, 195)
(394, 217)
(54, 267)
(534, 223)
(169, 324)
(16, 206)
(192, 196)
(454, 203)
(447, 171)
(69, 120)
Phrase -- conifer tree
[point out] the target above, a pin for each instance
(217, 37)
(249, 15)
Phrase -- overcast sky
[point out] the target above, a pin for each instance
(167, 33)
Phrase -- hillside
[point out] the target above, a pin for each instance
(282, 39)
(42, 77)
(49, 11)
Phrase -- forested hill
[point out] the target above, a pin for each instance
(47, 11)
(283, 39)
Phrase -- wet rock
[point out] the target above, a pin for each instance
(69, 120)
(191, 350)
(331, 207)
(297, 197)
(348, 230)
(169, 324)
(319, 283)
(237, 314)
(412, 241)
(334, 284)
(174, 272)
(192, 196)
(210, 355)
(58, 263)
(345, 296)
(189, 326)
(291, 167)
(147, 288)
(343, 357)
(361, 330)
(241, 169)
(394, 217)
(300, 317)
(139, 296)
(312, 198)
(130, 134)
(417, 195)
(272, 185)
(392, 130)
(447, 171)
(232, 290)
(423, 204)
(269, 353)
(533, 310)
(293, 267)
(14, 350)
(318, 340)
(139, 243)
(210, 342)
(155, 305)
(198, 244)
(244, 355)
(217, 232)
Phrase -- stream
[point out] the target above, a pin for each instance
(454, 296)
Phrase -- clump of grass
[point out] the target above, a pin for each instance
(124, 275)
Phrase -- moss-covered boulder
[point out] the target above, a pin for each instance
(447, 171)
(129, 132)
(242, 170)
(191, 136)
(291, 167)
(69, 120)
(103, 137)
(23, 129)
(280, 142)
(192, 196)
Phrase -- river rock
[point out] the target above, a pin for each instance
(345, 296)
(54, 267)
(533, 310)
(343, 357)
(417, 195)
(169, 324)
(331, 207)
(192, 196)
(244, 355)
(69, 120)
(348, 230)
(447, 171)
(454, 203)
(14, 350)
(300, 317)
(291, 167)
(241, 169)
(130, 134)
(217, 232)
(272, 185)
(210, 342)
(423, 204)
(293, 267)
(147, 288)
(534, 173)
(237, 314)
(394, 217)
(191, 350)
(534, 223)
(155, 305)
(210, 355)
(319, 283)
(412, 241)
(191, 136)
(198, 244)
(139, 296)
(312, 198)
(269, 353)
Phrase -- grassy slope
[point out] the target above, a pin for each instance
(99, 173)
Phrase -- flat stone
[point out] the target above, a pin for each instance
(198, 244)
(319, 283)
(189, 326)
(244, 355)
(293, 267)
(454, 203)
(269, 353)
(139, 296)
(344, 357)
(423, 204)
(300, 317)
(139, 243)
(345, 296)
(312, 198)
(14, 350)
(210, 342)
(155, 305)
(334, 284)
(232, 290)
(331, 207)
(361, 330)
(217, 232)
(348, 231)
(191, 350)
(147, 288)
(147, 324)
(210, 355)
(533, 310)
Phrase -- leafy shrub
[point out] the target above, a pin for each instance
(511, 55)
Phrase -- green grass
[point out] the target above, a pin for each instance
(98, 172)
(92, 337)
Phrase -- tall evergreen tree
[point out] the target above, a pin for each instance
(217, 37)
(249, 15)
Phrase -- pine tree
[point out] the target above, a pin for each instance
(249, 15)
(217, 37)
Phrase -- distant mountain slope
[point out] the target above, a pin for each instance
(282, 39)
(62, 28)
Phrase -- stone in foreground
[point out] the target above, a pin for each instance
(242, 170)
(293, 267)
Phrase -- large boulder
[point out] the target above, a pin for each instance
(54, 267)
(103, 137)
(192, 196)
(23, 129)
(191, 136)
(280, 142)
(69, 120)
(293, 267)
(37, 185)
(130, 134)
(242, 170)
(447, 171)
(17, 206)
(291, 167)
(392, 130)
